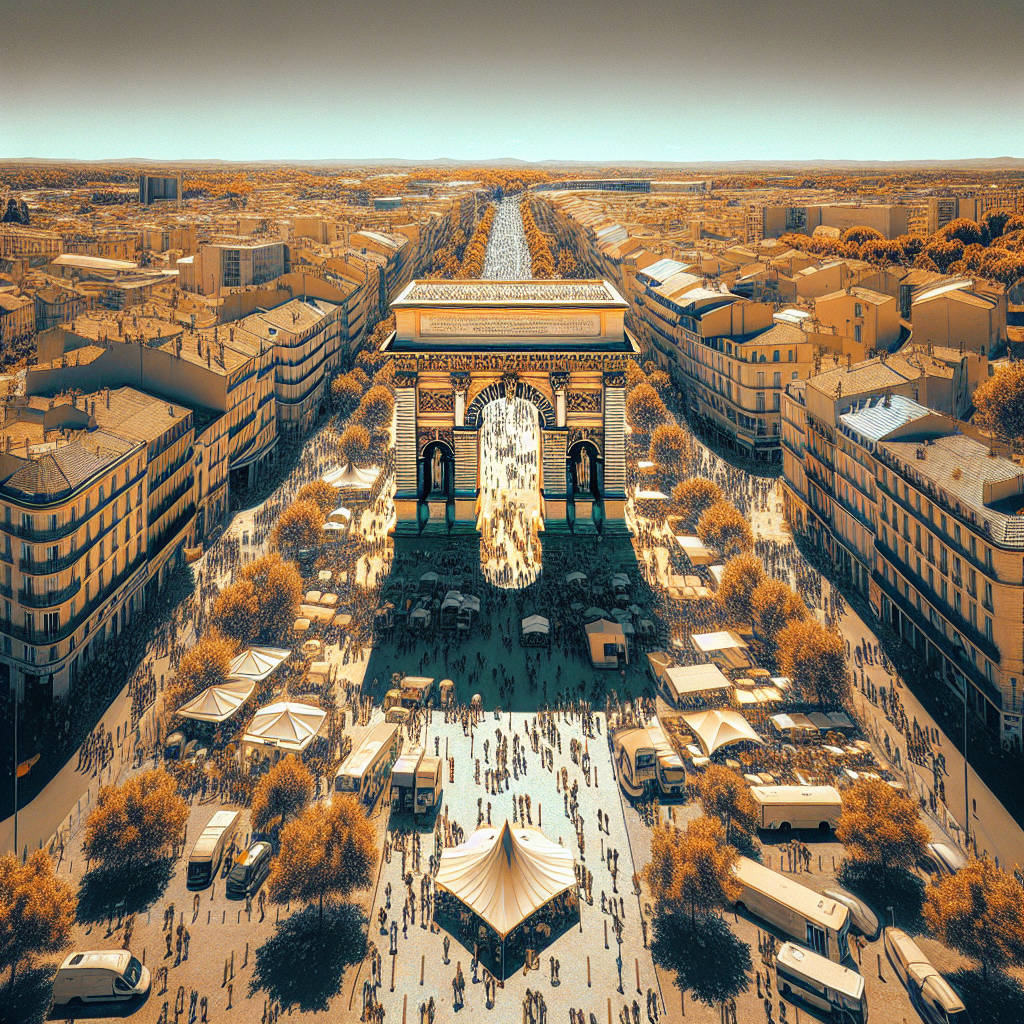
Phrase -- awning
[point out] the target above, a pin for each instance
(351, 478)
(694, 549)
(259, 662)
(285, 725)
(687, 680)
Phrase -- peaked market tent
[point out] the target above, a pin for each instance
(507, 890)
(259, 662)
(352, 478)
(219, 703)
(721, 728)
(283, 727)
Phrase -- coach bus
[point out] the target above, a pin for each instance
(365, 770)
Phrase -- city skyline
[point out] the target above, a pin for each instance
(566, 81)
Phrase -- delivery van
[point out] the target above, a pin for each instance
(208, 853)
(786, 807)
(100, 976)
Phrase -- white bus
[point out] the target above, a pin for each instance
(636, 760)
(786, 807)
(821, 984)
(670, 767)
(820, 922)
(206, 856)
(368, 767)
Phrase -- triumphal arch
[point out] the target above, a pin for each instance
(561, 346)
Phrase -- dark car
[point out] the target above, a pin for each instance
(249, 871)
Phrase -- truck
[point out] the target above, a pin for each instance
(786, 807)
(100, 976)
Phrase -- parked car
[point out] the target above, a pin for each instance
(862, 918)
(249, 871)
(943, 859)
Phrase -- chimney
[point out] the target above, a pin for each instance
(107, 396)
(93, 412)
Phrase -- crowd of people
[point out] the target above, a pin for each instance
(508, 256)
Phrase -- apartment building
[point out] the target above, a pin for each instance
(890, 219)
(943, 541)
(20, 242)
(868, 317)
(307, 337)
(58, 305)
(107, 246)
(17, 317)
(943, 209)
(162, 239)
(223, 265)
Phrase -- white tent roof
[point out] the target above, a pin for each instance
(694, 549)
(351, 478)
(259, 662)
(690, 679)
(504, 875)
(219, 703)
(724, 640)
(340, 513)
(286, 725)
(535, 624)
(720, 728)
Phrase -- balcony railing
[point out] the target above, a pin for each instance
(48, 598)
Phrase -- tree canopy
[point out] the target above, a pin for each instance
(725, 796)
(742, 575)
(726, 529)
(206, 663)
(979, 911)
(999, 402)
(691, 498)
(299, 526)
(346, 393)
(355, 444)
(37, 910)
(321, 494)
(137, 821)
(815, 659)
(279, 587)
(644, 409)
(671, 446)
(881, 826)
(236, 612)
(773, 605)
(376, 409)
(328, 851)
(284, 791)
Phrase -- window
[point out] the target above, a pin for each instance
(760, 399)
(775, 356)
(858, 309)
(988, 597)
(988, 626)
(791, 355)
(760, 378)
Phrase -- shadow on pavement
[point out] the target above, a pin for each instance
(708, 960)
(302, 965)
(103, 890)
(998, 997)
(887, 887)
(30, 998)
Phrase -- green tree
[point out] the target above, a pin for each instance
(725, 796)
(279, 586)
(284, 791)
(37, 910)
(724, 528)
(815, 659)
(644, 409)
(328, 851)
(881, 826)
(135, 822)
(979, 911)
(742, 575)
(692, 498)
(691, 869)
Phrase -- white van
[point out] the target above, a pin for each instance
(786, 807)
(100, 976)
(821, 984)
(205, 859)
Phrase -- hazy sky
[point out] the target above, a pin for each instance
(534, 79)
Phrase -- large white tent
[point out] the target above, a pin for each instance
(503, 875)
(690, 680)
(720, 728)
(219, 703)
(286, 726)
(352, 478)
(259, 662)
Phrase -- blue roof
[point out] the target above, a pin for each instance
(875, 420)
(664, 269)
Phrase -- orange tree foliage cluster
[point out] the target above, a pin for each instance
(541, 259)
(691, 498)
(299, 526)
(476, 248)
(261, 604)
(725, 528)
(742, 575)
(999, 402)
(645, 410)
(881, 826)
(815, 659)
(206, 663)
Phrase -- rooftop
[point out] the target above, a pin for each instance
(596, 293)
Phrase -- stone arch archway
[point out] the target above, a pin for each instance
(496, 390)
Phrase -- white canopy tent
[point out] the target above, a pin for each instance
(504, 875)
(692, 680)
(219, 703)
(720, 728)
(723, 645)
(259, 662)
(606, 639)
(285, 726)
(352, 478)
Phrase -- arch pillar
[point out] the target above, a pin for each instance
(467, 476)
(554, 443)
(406, 453)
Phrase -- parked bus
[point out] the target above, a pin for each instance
(821, 984)
(786, 807)
(671, 772)
(368, 767)
(208, 853)
(428, 785)
(820, 922)
(635, 760)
